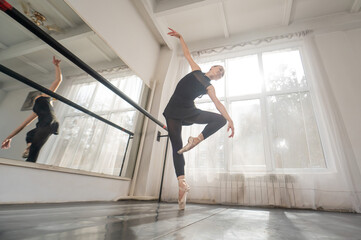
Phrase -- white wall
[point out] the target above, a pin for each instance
(19, 184)
(2, 95)
(149, 176)
(119, 24)
(341, 56)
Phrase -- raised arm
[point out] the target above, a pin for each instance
(185, 49)
(220, 107)
(6, 143)
(58, 75)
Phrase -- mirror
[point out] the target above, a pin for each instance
(83, 142)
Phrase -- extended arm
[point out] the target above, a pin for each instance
(220, 107)
(58, 76)
(6, 143)
(185, 49)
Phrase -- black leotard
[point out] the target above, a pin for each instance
(45, 112)
(182, 111)
(181, 105)
(46, 126)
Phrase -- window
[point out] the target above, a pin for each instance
(269, 100)
(88, 144)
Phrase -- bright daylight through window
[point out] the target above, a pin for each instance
(85, 143)
(269, 99)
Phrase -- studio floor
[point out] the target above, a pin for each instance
(150, 220)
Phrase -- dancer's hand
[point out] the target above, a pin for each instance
(56, 62)
(230, 126)
(174, 33)
(6, 143)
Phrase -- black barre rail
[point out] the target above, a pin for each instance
(20, 18)
(28, 82)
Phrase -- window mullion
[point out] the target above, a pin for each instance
(304, 126)
(267, 141)
(228, 144)
(82, 129)
(98, 149)
(97, 85)
(245, 97)
(284, 92)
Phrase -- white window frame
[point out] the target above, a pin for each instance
(269, 159)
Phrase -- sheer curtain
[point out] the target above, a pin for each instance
(281, 154)
(84, 142)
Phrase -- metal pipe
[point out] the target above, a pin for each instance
(164, 162)
(125, 155)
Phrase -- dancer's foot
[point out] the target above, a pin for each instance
(192, 142)
(182, 195)
(26, 151)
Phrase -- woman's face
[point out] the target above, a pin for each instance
(217, 72)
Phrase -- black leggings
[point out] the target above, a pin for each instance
(37, 137)
(214, 122)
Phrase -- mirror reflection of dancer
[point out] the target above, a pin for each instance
(47, 123)
(182, 111)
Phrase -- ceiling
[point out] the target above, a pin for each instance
(24, 53)
(201, 21)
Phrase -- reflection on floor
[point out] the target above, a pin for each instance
(150, 220)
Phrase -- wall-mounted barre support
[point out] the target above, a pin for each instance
(125, 155)
(30, 83)
(164, 162)
(24, 21)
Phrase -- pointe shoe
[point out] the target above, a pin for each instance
(191, 144)
(184, 187)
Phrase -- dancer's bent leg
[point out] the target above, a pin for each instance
(29, 139)
(38, 140)
(214, 122)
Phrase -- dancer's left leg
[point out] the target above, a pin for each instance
(39, 138)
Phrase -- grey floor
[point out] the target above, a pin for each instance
(150, 220)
